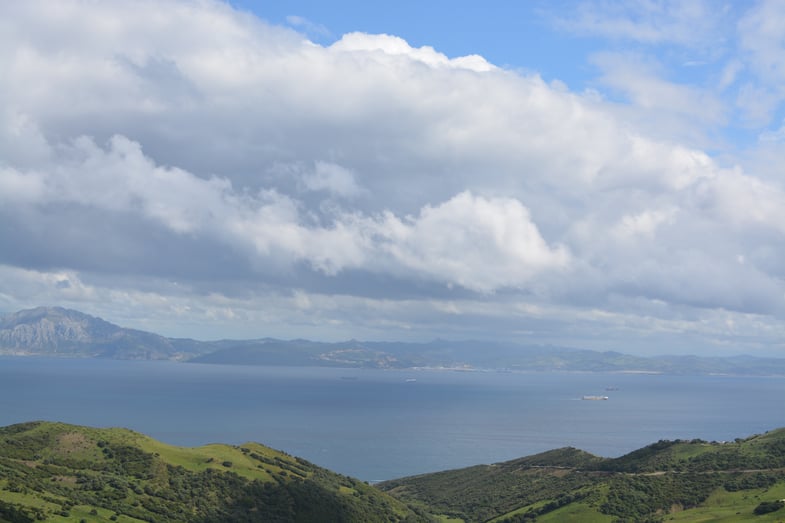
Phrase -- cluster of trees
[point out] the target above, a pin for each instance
(533, 513)
(634, 498)
(16, 514)
(484, 492)
(769, 506)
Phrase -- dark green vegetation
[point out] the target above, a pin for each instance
(59, 472)
(55, 331)
(769, 506)
(678, 480)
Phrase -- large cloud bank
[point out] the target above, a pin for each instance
(186, 160)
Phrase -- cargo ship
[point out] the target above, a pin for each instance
(596, 398)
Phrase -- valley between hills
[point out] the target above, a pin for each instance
(67, 473)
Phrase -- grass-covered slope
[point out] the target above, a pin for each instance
(668, 480)
(483, 492)
(60, 472)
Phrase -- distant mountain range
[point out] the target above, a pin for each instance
(54, 331)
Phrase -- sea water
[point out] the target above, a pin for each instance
(382, 424)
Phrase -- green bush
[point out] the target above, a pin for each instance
(769, 506)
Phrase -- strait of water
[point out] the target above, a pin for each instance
(376, 425)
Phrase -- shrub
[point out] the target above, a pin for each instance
(769, 506)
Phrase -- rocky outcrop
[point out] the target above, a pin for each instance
(55, 331)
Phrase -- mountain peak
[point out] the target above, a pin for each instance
(39, 313)
(52, 329)
(56, 331)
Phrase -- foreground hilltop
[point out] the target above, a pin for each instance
(60, 472)
(58, 332)
(695, 480)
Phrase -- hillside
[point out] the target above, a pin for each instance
(58, 332)
(59, 472)
(668, 480)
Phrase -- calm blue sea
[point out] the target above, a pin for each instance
(377, 425)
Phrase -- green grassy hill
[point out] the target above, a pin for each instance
(678, 480)
(60, 472)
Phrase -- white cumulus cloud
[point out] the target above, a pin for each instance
(202, 146)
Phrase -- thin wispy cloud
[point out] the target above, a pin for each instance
(693, 24)
(313, 30)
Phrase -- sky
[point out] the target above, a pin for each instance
(593, 174)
